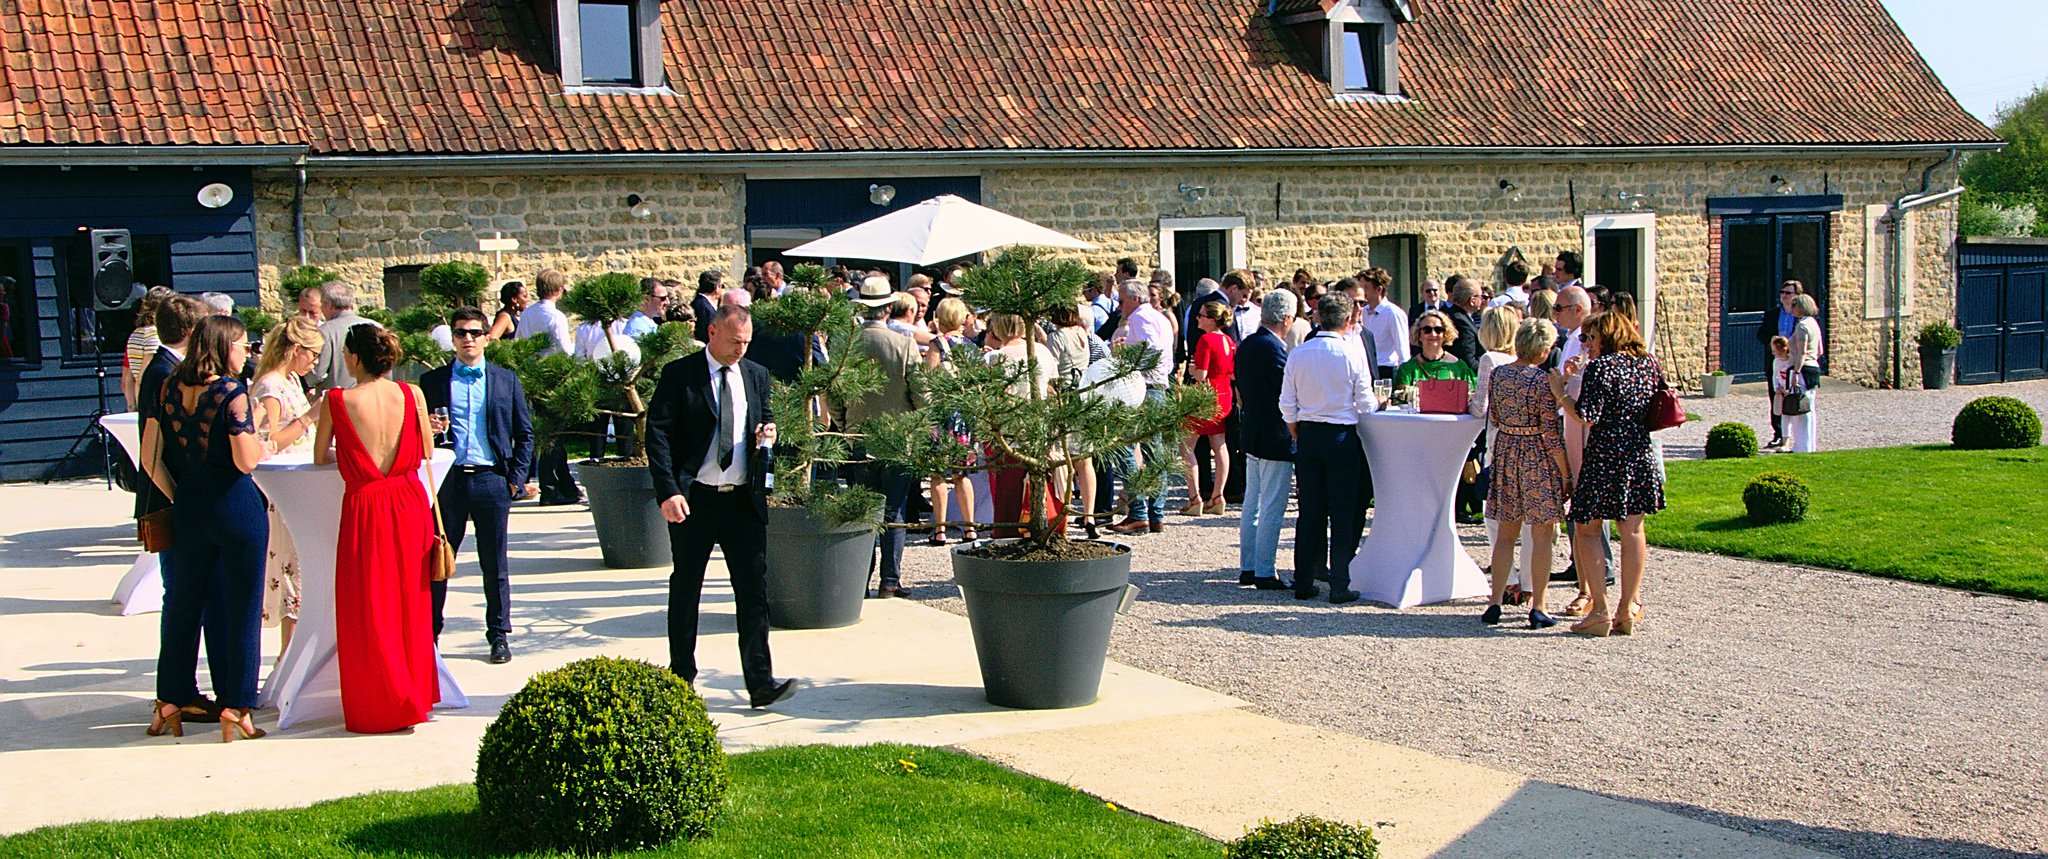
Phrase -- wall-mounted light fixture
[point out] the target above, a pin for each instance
(1634, 201)
(1193, 193)
(638, 207)
(1780, 185)
(1510, 190)
(216, 195)
(881, 195)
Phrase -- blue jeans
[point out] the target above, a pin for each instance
(1150, 508)
(1266, 484)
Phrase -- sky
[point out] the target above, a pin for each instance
(1987, 51)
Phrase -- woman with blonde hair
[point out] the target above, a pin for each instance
(1530, 478)
(950, 345)
(1803, 376)
(1619, 479)
(1498, 328)
(284, 422)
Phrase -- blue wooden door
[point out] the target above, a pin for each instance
(1758, 253)
(2026, 322)
(1979, 314)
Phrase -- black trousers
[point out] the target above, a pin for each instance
(1327, 464)
(485, 499)
(730, 521)
(557, 482)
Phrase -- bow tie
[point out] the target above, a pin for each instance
(464, 371)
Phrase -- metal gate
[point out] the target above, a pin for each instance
(2002, 308)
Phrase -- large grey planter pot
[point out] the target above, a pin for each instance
(630, 530)
(817, 571)
(1041, 630)
(1716, 387)
(1937, 368)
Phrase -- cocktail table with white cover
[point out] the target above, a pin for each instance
(142, 589)
(306, 685)
(1413, 557)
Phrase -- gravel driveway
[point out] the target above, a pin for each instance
(1859, 716)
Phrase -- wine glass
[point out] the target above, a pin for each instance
(441, 420)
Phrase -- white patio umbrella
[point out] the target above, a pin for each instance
(941, 228)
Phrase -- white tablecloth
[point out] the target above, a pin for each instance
(306, 685)
(142, 589)
(1412, 557)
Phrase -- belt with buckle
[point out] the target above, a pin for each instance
(729, 487)
(474, 469)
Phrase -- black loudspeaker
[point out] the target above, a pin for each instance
(113, 268)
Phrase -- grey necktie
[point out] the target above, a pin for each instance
(725, 435)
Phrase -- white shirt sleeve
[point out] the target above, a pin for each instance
(1290, 404)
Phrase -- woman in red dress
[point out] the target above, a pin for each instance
(383, 610)
(1214, 362)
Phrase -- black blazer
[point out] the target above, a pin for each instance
(681, 425)
(702, 308)
(1421, 307)
(1261, 362)
(509, 419)
(148, 393)
(1768, 328)
(1466, 347)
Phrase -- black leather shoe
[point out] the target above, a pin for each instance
(885, 593)
(1307, 593)
(1271, 583)
(1342, 597)
(780, 692)
(1568, 574)
(1155, 527)
(501, 652)
(1247, 577)
(1492, 615)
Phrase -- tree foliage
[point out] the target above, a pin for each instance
(802, 436)
(2009, 188)
(301, 279)
(449, 285)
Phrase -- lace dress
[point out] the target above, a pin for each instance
(216, 570)
(281, 566)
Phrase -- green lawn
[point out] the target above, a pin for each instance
(1965, 519)
(797, 802)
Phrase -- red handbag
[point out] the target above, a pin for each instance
(1665, 409)
(1442, 396)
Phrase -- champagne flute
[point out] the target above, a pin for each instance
(440, 421)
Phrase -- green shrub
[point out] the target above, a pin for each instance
(601, 755)
(1939, 334)
(1305, 837)
(1996, 423)
(301, 279)
(452, 284)
(1776, 496)
(1731, 440)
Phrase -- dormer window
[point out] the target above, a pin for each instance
(609, 45)
(1352, 44)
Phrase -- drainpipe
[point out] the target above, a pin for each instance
(1896, 289)
(299, 212)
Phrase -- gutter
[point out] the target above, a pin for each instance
(299, 211)
(860, 162)
(151, 156)
(1897, 227)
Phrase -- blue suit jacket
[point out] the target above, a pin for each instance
(510, 421)
(1261, 362)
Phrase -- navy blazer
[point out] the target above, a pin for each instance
(509, 420)
(681, 424)
(148, 394)
(1261, 362)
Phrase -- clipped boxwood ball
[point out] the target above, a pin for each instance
(601, 755)
(1731, 440)
(1996, 423)
(1776, 496)
(1305, 837)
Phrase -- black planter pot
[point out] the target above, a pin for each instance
(817, 571)
(1041, 629)
(630, 530)
(1937, 367)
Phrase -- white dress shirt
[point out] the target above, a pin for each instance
(591, 342)
(1149, 326)
(1512, 295)
(734, 413)
(1389, 326)
(542, 317)
(1326, 381)
(1246, 318)
(1571, 348)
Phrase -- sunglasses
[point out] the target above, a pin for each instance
(1788, 292)
(1433, 329)
(467, 332)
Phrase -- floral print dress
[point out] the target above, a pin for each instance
(1527, 485)
(1619, 477)
(281, 564)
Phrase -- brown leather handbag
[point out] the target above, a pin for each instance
(154, 530)
(441, 556)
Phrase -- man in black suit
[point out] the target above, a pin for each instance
(1268, 447)
(1467, 302)
(491, 431)
(709, 412)
(705, 304)
(1432, 299)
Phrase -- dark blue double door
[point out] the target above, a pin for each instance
(2003, 311)
(1758, 254)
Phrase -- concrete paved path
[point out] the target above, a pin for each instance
(76, 681)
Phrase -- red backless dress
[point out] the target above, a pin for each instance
(383, 608)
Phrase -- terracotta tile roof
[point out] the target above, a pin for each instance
(136, 72)
(465, 76)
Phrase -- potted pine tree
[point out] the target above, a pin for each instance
(1041, 606)
(821, 535)
(1938, 342)
(630, 530)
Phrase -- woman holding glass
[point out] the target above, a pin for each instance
(284, 421)
(1618, 478)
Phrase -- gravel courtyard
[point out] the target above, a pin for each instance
(1855, 715)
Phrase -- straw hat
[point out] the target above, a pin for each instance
(875, 292)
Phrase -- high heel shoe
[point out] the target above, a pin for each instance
(1194, 508)
(1625, 623)
(233, 721)
(1595, 625)
(1577, 607)
(1214, 507)
(166, 718)
(1088, 527)
(1539, 620)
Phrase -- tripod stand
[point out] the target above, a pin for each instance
(92, 428)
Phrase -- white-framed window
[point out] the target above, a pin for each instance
(1621, 253)
(1195, 248)
(1353, 45)
(607, 46)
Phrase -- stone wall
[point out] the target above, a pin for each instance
(1315, 217)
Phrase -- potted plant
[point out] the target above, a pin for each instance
(1715, 384)
(444, 286)
(1938, 341)
(630, 530)
(821, 535)
(1041, 606)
